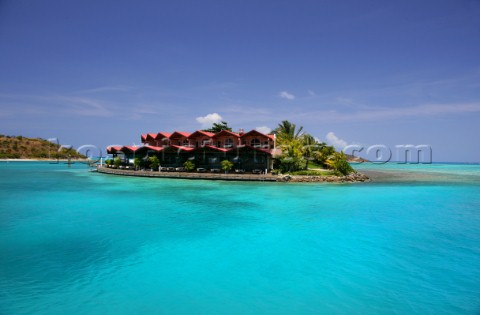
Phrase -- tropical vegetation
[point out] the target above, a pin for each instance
(189, 166)
(217, 127)
(117, 162)
(136, 162)
(154, 163)
(226, 165)
(299, 154)
(299, 149)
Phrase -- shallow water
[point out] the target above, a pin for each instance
(78, 242)
(415, 173)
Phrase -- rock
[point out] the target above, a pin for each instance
(351, 178)
(284, 178)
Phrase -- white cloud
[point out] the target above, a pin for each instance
(311, 93)
(286, 95)
(263, 129)
(209, 120)
(338, 143)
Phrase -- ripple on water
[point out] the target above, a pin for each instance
(88, 243)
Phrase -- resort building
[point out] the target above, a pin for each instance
(249, 152)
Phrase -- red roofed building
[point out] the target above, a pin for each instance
(179, 138)
(226, 139)
(200, 138)
(251, 151)
(156, 139)
(256, 139)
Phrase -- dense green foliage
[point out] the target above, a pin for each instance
(299, 148)
(136, 162)
(189, 166)
(154, 162)
(217, 127)
(226, 165)
(117, 162)
(338, 162)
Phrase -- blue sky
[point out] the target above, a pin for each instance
(364, 72)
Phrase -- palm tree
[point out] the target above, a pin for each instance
(309, 147)
(338, 162)
(322, 153)
(286, 131)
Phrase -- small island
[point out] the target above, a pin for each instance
(23, 148)
(287, 154)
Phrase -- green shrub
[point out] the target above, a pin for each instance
(344, 167)
(226, 165)
(189, 166)
(289, 164)
(338, 162)
(136, 162)
(117, 162)
(154, 163)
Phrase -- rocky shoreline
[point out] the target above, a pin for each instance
(351, 178)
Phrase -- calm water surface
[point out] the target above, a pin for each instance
(74, 242)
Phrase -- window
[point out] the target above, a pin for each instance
(185, 142)
(255, 143)
(228, 143)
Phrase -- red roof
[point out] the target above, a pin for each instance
(113, 149)
(179, 134)
(129, 148)
(144, 136)
(134, 149)
(151, 136)
(254, 133)
(226, 133)
(151, 147)
(201, 133)
(161, 135)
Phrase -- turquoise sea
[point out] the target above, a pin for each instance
(76, 242)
